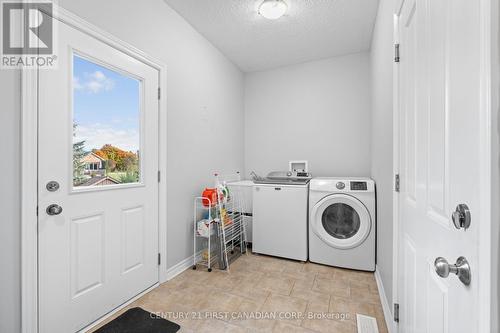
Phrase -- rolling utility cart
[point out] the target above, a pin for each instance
(219, 234)
(205, 233)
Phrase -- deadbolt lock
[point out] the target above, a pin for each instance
(461, 217)
(52, 186)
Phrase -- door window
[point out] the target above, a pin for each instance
(340, 221)
(106, 125)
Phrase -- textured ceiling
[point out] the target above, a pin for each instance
(311, 29)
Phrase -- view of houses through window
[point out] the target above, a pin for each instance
(106, 125)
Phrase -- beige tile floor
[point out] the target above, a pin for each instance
(302, 297)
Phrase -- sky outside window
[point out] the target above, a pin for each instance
(106, 107)
(106, 122)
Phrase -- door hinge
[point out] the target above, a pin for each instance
(159, 259)
(396, 312)
(397, 183)
(159, 92)
(159, 177)
(396, 52)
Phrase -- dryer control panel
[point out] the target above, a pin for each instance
(359, 186)
(342, 185)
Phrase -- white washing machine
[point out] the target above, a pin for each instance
(342, 227)
(280, 215)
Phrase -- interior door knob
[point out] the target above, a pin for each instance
(54, 209)
(461, 268)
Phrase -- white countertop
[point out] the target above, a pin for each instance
(242, 183)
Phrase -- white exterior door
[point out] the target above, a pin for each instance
(441, 162)
(98, 139)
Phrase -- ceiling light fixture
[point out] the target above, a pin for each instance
(273, 9)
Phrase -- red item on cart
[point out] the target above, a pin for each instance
(211, 195)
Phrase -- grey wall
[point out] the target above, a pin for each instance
(382, 140)
(204, 95)
(317, 111)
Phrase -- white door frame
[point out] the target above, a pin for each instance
(29, 169)
(392, 326)
(483, 271)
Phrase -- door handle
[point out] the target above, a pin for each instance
(54, 209)
(461, 269)
(461, 217)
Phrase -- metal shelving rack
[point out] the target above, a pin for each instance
(205, 245)
(224, 239)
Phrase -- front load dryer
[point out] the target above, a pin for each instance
(342, 227)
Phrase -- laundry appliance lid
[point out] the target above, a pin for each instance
(285, 177)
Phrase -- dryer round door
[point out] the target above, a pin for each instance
(341, 221)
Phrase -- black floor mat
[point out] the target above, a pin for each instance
(137, 320)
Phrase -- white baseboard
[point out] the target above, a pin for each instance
(391, 325)
(181, 266)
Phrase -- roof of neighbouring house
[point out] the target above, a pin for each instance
(92, 158)
(98, 180)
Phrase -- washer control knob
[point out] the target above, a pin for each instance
(340, 185)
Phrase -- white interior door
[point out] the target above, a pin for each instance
(440, 163)
(98, 139)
